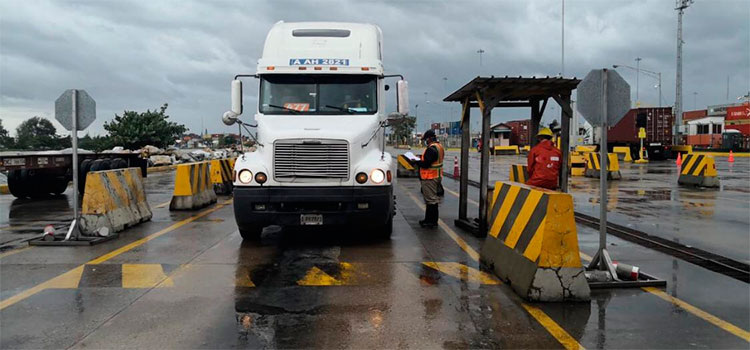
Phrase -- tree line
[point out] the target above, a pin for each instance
(131, 130)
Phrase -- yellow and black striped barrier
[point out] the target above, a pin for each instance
(532, 243)
(221, 175)
(518, 173)
(577, 164)
(625, 151)
(114, 199)
(698, 170)
(405, 169)
(192, 187)
(593, 166)
(507, 150)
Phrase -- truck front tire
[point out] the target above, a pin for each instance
(252, 234)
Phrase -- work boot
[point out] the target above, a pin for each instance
(430, 216)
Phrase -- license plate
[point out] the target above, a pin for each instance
(15, 161)
(311, 219)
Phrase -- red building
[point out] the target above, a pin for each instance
(738, 118)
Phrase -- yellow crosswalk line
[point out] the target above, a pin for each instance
(144, 276)
(462, 272)
(317, 277)
(69, 279)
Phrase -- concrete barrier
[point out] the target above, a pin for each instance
(698, 170)
(593, 166)
(577, 164)
(221, 175)
(519, 173)
(192, 187)
(526, 149)
(532, 243)
(507, 150)
(114, 199)
(405, 169)
(585, 148)
(625, 151)
(684, 149)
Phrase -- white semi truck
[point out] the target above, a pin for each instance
(320, 157)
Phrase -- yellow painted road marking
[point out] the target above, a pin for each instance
(162, 205)
(452, 234)
(144, 276)
(552, 327)
(69, 279)
(743, 334)
(61, 278)
(14, 251)
(317, 277)
(462, 272)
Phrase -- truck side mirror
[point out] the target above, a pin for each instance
(237, 97)
(402, 97)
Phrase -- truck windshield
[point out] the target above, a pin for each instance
(318, 94)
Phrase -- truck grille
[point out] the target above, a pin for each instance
(315, 159)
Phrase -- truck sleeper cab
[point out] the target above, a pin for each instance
(320, 157)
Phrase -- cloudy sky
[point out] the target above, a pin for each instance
(137, 55)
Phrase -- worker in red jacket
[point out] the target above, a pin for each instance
(544, 162)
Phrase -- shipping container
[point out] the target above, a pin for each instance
(658, 122)
(738, 118)
(519, 132)
(693, 115)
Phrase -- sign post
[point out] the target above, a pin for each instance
(603, 99)
(641, 151)
(75, 110)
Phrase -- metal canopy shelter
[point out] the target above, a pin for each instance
(487, 93)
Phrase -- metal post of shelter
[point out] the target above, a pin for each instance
(536, 118)
(485, 167)
(464, 166)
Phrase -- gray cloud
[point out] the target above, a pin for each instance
(139, 54)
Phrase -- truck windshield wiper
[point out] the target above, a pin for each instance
(285, 108)
(347, 110)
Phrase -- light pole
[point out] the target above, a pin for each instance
(637, 81)
(562, 44)
(656, 75)
(480, 52)
(680, 6)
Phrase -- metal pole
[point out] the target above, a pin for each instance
(603, 174)
(485, 168)
(465, 145)
(74, 146)
(562, 46)
(660, 89)
(564, 143)
(637, 81)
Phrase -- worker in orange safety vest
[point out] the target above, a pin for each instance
(431, 175)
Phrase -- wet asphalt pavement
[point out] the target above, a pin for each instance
(186, 280)
(648, 199)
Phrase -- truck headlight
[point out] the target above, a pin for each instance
(377, 176)
(361, 178)
(245, 176)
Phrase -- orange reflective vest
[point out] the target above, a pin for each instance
(436, 168)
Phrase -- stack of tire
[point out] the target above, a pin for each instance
(97, 165)
(36, 183)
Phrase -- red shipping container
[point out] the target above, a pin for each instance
(738, 118)
(693, 115)
(519, 132)
(659, 122)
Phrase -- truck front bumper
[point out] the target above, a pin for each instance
(263, 206)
